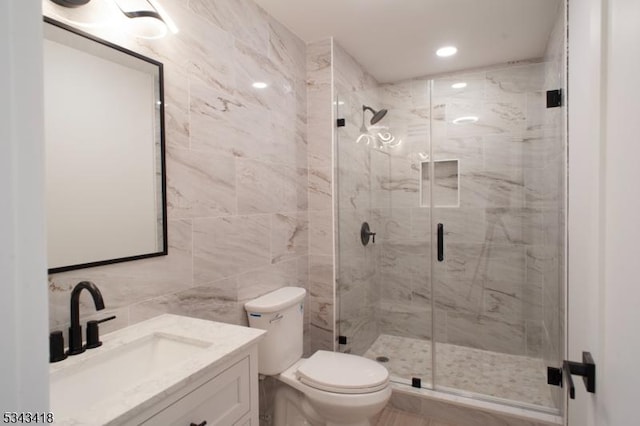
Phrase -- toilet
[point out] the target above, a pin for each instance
(328, 388)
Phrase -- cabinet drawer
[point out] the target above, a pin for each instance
(221, 401)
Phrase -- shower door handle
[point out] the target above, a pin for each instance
(440, 242)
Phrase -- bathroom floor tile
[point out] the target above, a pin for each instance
(393, 417)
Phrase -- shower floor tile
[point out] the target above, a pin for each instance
(511, 377)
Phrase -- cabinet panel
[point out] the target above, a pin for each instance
(245, 421)
(223, 400)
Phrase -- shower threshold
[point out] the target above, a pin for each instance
(513, 379)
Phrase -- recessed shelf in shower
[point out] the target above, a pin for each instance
(446, 188)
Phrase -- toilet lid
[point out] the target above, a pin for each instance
(342, 373)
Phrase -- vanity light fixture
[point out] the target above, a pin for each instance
(443, 52)
(460, 85)
(466, 120)
(71, 3)
(260, 85)
(147, 18)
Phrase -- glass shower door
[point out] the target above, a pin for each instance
(493, 196)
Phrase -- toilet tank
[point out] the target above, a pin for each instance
(281, 313)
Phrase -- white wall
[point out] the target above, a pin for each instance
(620, 376)
(584, 254)
(604, 200)
(23, 305)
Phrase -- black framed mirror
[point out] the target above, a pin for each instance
(105, 151)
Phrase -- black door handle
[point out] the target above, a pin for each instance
(586, 369)
(440, 242)
(199, 424)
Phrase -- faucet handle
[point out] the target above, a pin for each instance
(56, 346)
(93, 337)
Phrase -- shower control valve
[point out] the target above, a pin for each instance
(365, 234)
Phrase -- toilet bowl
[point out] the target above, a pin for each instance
(332, 388)
(337, 404)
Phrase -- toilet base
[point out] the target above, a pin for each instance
(292, 408)
(321, 408)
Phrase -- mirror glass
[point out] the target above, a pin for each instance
(104, 136)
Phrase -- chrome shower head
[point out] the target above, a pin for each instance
(377, 115)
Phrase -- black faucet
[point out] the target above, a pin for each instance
(75, 331)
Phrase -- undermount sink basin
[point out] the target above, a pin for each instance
(108, 371)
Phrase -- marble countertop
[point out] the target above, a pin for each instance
(223, 342)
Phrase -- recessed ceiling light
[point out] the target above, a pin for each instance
(260, 85)
(465, 120)
(460, 85)
(446, 51)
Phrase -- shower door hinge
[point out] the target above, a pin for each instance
(341, 122)
(586, 369)
(342, 340)
(554, 98)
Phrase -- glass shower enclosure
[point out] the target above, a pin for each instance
(462, 182)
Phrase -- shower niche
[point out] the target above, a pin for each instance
(446, 184)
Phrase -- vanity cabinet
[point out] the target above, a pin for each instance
(167, 371)
(223, 400)
(228, 395)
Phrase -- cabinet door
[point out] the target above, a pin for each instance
(245, 421)
(223, 400)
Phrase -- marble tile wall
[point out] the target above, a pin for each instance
(237, 169)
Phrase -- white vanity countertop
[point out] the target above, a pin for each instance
(218, 343)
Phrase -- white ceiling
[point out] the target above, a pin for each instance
(397, 39)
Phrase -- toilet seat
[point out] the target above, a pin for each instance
(342, 373)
